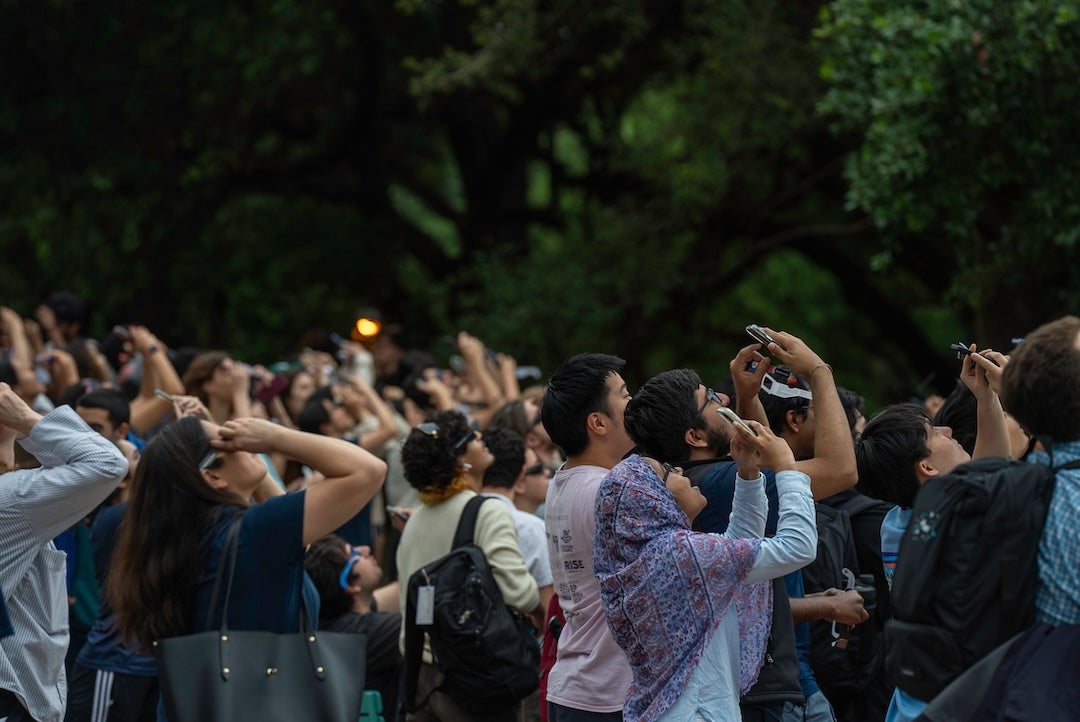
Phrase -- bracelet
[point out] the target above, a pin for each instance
(152, 350)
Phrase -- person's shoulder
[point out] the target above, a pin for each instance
(109, 517)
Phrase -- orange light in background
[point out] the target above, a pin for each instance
(367, 328)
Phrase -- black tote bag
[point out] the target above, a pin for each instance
(230, 676)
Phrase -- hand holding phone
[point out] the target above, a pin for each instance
(164, 395)
(759, 335)
(963, 350)
(399, 511)
(734, 419)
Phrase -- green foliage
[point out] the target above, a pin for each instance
(966, 114)
(637, 177)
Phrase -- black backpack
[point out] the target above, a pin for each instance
(839, 669)
(966, 574)
(487, 652)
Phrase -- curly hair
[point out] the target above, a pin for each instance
(430, 462)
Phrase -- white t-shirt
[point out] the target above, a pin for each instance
(591, 672)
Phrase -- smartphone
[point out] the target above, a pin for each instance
(399, 512)
(759, 335)
(734, 419)
(164, 395)
(122, 332)
(962, 350)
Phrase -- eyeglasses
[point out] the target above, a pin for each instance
(538, 469)
(710, 396)
(346, 571)
(459, 445)
(668, 468)
(212, 460)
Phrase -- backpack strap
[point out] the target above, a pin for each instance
(858, 503)
(1071, 465)
(466, 527)
(414, 654)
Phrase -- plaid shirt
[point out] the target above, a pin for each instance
(1058, 594)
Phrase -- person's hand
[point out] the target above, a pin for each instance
(745, 456)
(46, 317)
(190, 406)
(470, 346)
(993, 364)
(436, 388)
(10, 321)
(974, 376)
(33, 334)
(770, 450)
(795, 354)
(142, 340)
(255, 435)
(748, 382)
(14, 412)
(239, 378)
(399, 522)
(847, 607)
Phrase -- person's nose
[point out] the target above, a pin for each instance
(945, 431)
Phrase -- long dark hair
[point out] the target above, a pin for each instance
(157, 563)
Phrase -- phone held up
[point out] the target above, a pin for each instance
(758, 334)
(962, 350)
(734, 418)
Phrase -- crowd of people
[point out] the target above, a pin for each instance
(683, 553)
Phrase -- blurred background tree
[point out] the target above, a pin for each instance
(644, 178)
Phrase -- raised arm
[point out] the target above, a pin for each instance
(353, 475)
(158, 373)
(992, 435)
(747, 382)
(79, 467)
(374, 440)
(476, 369)
(749, 506)
(832, 467)
(795, 543)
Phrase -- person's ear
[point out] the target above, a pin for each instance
(696, 438)
(791, 420)
(597, 423)
(122, 430)
(215, 480)
(925, 471)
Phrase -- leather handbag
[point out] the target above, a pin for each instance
(250, 676)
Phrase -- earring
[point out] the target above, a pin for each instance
(465, 466)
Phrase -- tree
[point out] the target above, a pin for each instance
(966, 115)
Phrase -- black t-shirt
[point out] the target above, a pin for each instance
(382, 630)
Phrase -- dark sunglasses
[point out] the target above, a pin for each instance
(459, 445)
(538, 469)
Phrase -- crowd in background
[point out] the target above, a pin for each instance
(671, 555)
